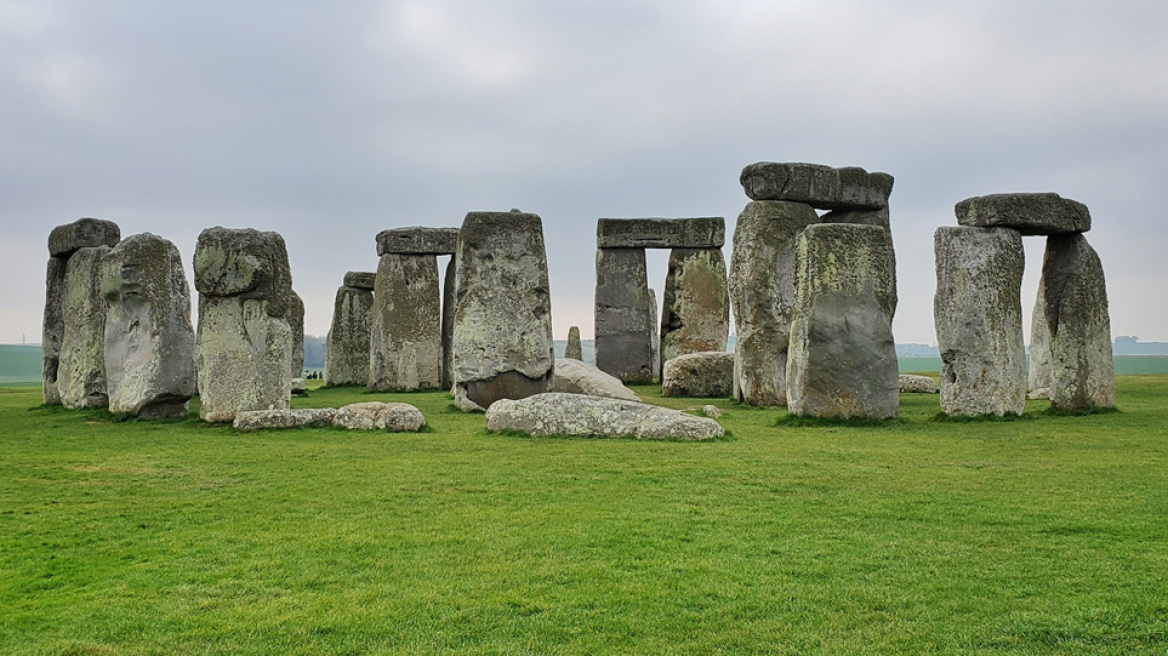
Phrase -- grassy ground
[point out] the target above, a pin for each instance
(1035, 536)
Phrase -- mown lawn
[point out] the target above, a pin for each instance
(1041, 535)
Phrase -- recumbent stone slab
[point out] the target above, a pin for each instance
(696, 313)
(822, 187)
(699, 374)
(577, 415)
(574, 376)
(295, 318)
(252, 420)
(417, 241)
(405, 348)
(375, 415)
(625, 326)
(703, 232)
(1029, 214)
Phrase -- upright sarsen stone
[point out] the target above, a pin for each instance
(1039, 371)
(149, 341)
(978, 316)
(1029, 214)
(625, 329)
(448, 325)
(81, 381)
(294, 315)
(405, 348)
(53, 329)
(695, 316)
(346, 360)
(502, 343)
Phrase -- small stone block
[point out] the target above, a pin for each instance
(417, 241)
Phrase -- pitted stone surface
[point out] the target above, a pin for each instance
(978, 314)
(625, 326)
(822, 187)
(654, 335)
(149, 341)
(251, 420)
(1039, 371)
(53, 329)
(704, 232)
(360, 279)
(696, 313)
(699, 374)
(1029, 214)
(911, 384)
(577, 415)
(374, 415)
(448, 325)
(417, 241)
(762, 288)
(246, 263)
(82, 233)
(81, 380)
(574, 376)
(574, 349)
(346, 360)
(405, 348)
(864, 217)
(295, 319)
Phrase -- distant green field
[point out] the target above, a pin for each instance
(1125, 365)
(19, 364)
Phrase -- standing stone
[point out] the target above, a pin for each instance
(978, 315)
(502, 343)
(81, 380)
(654, 338)
(405, 348)
(448, 325)
(574, 350)
(149, 341)
(762, 289)
(295, 319)
(243, 350)
(1040, 365)
(1077, 314)
(842, 359)
(53, 329)
(346, 360)
(624, 324)
(696, 314)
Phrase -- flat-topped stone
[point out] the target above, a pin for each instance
(912, 384)
(375, 415)
(1029, 214)
(244, 262)
(252, 420)
(822, 187)
(360, 279)
(704, 232)
(578, 415)
(417, 240)
(83, 233)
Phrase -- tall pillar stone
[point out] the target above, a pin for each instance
(574, 349)
(448, 325)
(842, 358)
(696, 312)
(654, 336)
(295, 319)
(978, 316)
(762, 288)
(1039, 371)
(405, 351)
(625, 328)
(81, 381)
(346, 360)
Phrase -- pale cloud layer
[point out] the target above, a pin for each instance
(329, 124)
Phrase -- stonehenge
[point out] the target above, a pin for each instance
(346, 360)
(709, 373)
(574, 350)
(81, 381)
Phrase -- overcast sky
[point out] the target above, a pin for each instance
(330, 122)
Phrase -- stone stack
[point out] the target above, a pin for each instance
(346, 359)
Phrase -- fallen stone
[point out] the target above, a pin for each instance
(574, 349)
(374, 415)
(405, 347)
(417, 241)
(705, 232)
(699, 374)
(299, 387)
(910, 384)
(1040, 393)
(822, 187)
(252, 420)
(696, 313)
(66, 239)
(578, 377)
(81, 381)
(625, 329)
(712, 411)
(576, 415)
(1029, 214)
(361, 280)
(53, 329)
(346, 360)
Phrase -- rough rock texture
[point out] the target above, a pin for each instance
(81, 381)
(762, 290)
(361, 280)
(64, 240)
(574, 376)
(696, 313)
(374, 415)
(978, 315)
(346, 359)
(1077, 314)
(243, 350)
(574, 349)
(1029, 214)
(589, 416)
(625, 330)
(842, 359)
(250, 420)
(699, 374)
(448, 325)
(1039, 371)
(502, 342)
(295, 319)
(654, 337)
(705, 232)
(417, 241)
(405, 348)
(53, 329)
(712, 411)
(149, 341)
(917, 384)
(865, 217)
(822, 187)
(299, 387)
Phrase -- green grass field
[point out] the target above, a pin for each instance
(1042, 535)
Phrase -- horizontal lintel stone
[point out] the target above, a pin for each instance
(703, 232)
(822, 187)
(1029, 214)
(417, 241)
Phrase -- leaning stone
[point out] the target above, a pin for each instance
(53, 329)
(295, 319)
(699, 374)
(360, 280)
(502, 340)
(842, 359)
(374, 415)
(246, 263)
(696, 313)
(1029, 214)
(978, 315)
(762, 289)
(405, 347)
(574, 350)
(910, 384)
(575, 376)
(81, 380)
(251, 420)
(576, 415)
(417, 241)
(822, 187)
(346, 360)
(705, 232)
(1039, 373)
(1076, 310)
(149, 341)
(711, 411)
(64, 240)
(625, 329)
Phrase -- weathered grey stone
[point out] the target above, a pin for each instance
(762, 289)
(299, 387)
(577, 415)
(704, 232)
(574, 349)
(978, 316)
(246, 263)
(405, 348)
(699, 374)
(360, 280)
(822, 187)
(842, 359)
(53, 329)
(1029, 214)
(654, 337)
(910, 384)
(295, 318)
(374, 415)
(81, 381)
(252, 420)
(624, 324)
(502, 342)
(1076, 310)
(149, 341)
(696, 313)
(346, 359)
(711, 411)
(865, 217)
(1039, 371)
(574, 376)
(64, 240)
(448, 325)
(417, 241)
